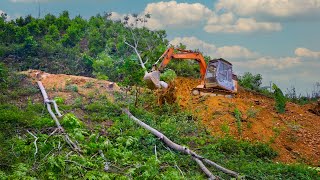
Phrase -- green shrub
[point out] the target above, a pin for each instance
(252, 113)
(3, 76)
(280, 99)
(238, 116)
(71, 121)
(72, 87)
(250, 81)
(89, 84)
(168, 76)
(59, 100)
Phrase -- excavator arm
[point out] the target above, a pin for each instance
(184, 54)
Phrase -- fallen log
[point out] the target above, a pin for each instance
(199, 159)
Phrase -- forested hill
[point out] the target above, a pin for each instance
(60, 44)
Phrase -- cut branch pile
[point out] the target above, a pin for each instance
(48, 103)
(199, 159)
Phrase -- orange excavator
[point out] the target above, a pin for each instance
(217, 77)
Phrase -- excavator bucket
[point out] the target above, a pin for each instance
(152, 80)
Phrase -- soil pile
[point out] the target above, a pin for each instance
(295, 134)
(63, 85)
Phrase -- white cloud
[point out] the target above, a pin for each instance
(242, 25)
(271, 8)
(173, 14)
(166, 15)
(233, 52)
(304, 52)
(271, 63)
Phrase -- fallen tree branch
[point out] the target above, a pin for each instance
(182, 149)
(106, 163)
(204, 168)
(34, 142)
(73, 145)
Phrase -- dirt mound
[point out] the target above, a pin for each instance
(63, 85)
(294, 134)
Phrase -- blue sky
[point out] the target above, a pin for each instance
(279, 39)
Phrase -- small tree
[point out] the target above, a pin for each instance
(250, 81)
(132, 75)
(280, 99)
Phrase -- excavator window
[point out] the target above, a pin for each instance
(211, 72)
(225, 72)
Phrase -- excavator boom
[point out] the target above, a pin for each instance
(169, 54)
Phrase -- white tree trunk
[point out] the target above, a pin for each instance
(183, 149)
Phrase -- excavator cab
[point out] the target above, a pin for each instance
(219, 75)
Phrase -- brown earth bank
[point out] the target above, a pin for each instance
(63, 85)
(295, 135)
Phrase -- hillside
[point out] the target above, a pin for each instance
(294, 134)
(92, 118)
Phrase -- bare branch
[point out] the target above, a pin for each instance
(129, 44)
(59, 127)
(34, 142)
(180, 148)
(138, 54)
(204, 168)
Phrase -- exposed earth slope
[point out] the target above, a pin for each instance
(294, 134)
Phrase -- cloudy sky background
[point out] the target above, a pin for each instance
(279, 39)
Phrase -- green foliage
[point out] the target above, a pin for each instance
(104, 67)
(89, 84)
(250, 81)
(238, 116)
(59, 100)
(70, 121)
(53, 34)
(168, 76)
(3, 76)
(132, 73)
(280, 99)
(252, 113)
(72, 87)
(186, 68)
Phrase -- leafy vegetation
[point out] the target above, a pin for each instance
(250, 81)
(129, 151)
(238, 116)
(280, 99)
(113, 147)
(3, 76)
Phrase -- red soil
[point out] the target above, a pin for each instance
(295, 134)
